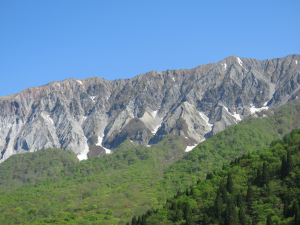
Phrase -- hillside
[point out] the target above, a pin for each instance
(113, 188)
(259, 188)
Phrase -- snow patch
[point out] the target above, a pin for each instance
(83, 154)
(190, 148)
(225, 65)
(84, 118)
(239, 61)
(148, 146)
(153, 114)
(49, 119)
(79, 81)
(155, 129)
(173, 78)
(205, 118)
(92, 97)
(235, 115)
(254, 110)
(100, 140)
(296, 61)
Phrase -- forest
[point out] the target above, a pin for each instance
(257, 188)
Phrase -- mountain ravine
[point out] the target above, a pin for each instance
(94, 115)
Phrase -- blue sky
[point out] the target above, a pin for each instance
(47, 40)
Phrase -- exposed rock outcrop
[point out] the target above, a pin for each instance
(95, 115)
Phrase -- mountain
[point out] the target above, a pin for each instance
(94, 115)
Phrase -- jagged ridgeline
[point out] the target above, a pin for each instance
(258, 188)
(113, 188)
(93, 116)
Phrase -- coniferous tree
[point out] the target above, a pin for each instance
(286, 208)
(187, 193)
(249, 155)
(250, 194)
(139, 220)
(265, 174)
(174, 206)
(223, 191)
(209, 176)
(297, 214)
(283, 167)
(269, 220)
(289, 163)
(240, 201)
(229, 184)
(143, 220)
(231, 214)
(205, 219)
(179, 215)
(242, 216)
(258, 178)
(254, 221)
(188, 214)
(218, 206)
(134, 221)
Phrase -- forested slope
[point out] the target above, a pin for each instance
(258, 188)
(251, 134)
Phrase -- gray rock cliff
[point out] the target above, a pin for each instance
(95, 115)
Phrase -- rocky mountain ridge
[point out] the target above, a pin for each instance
(92, 116)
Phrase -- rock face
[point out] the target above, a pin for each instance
(94, 115)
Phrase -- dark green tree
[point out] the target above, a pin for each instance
(179, 215)
(258, 179)
(240, 201)
(187, 193)
(231, 214)
(188, 214)
(286, 208)
(205, 219)
(223, 192)
(134, 221)
(269, 220)
(143, 220)
(265, 174)
(174, 206)
(297, 214)
(139, 220)
(283, 167)
(218, 206)
(250, 194)
(229, 185)
(209, 176)
(289, 163)
(242, 216)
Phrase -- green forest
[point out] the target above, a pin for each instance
(258, 188)
(161, 184)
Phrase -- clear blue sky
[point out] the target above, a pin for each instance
(47, 40)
